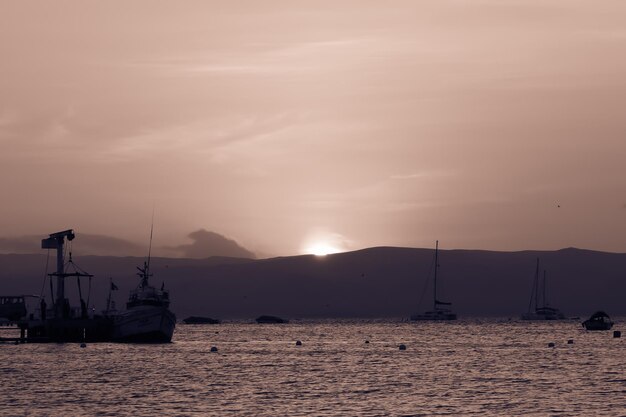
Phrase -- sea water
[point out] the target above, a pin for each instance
(480, 367)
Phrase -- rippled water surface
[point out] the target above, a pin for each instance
(479, 367)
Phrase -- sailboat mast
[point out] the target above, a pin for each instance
(537, 286)
(110, 290)
(544, 288)
(435, 279)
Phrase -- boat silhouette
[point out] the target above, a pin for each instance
(598, 321)
(270, 320)
(200, 320)
(439, 311)
(147, 318)
(543, 311)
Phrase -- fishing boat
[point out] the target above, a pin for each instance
(598, 321)
(439, 311)
(147, 318)
(543, 312)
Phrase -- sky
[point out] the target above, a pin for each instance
(293, 125)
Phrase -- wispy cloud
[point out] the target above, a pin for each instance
(421, 175)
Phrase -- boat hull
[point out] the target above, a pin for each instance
(89, 330)
(438, 315)
(540, 317)
(597, 326)
(144, 325)
(544, 313)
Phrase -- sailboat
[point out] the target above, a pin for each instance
(543, 312)
(438, 312)
(147, 318)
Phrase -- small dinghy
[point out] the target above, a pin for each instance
(270, 320)
(200, 320)
(598, 321)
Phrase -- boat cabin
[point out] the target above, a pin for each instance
(148, 296)
(12, 307)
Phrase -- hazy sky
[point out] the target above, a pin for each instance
(286, 123)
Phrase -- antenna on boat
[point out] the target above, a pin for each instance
(150, 245)
(144, 272)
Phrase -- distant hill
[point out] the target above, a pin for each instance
(375, 282)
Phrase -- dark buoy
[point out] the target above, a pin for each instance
(83, 345)
(617, 333)
(298, 343)
(551, 344)
(570, 342)
(367, 341)
(213, 349)
(402, 347)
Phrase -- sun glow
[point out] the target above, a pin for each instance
(321, 249)
(323, 242)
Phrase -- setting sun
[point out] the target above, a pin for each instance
(324, 242)
(321, 249)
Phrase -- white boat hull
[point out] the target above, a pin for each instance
(144, 325)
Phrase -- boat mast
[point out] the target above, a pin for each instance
(544, 288)
(537, 286)
(435, 279)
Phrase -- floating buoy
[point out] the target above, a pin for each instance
(617, 333)
(402, 347)
(551, 344)
(298, 343)
(367, 341)
(213, 349)
(83, 345)
(570, 342)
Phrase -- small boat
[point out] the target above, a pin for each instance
(543, 312)
(438, 313)
(270, 319)
(598, 321)
(200, 320)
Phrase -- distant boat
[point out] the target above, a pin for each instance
(270, 319)
(543, 312)
(598, 321)
(438, 312)
(200, 320)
